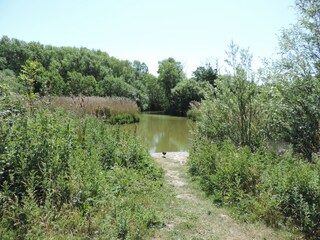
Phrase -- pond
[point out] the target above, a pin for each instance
(163, 133)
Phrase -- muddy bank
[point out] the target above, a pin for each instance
(180, 157)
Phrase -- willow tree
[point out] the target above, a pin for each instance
(296, 82)
(234, 112)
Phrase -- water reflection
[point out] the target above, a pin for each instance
(163, 133)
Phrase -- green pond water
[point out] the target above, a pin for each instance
(162, 133)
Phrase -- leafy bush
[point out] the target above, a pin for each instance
(260, 185)
(67, 177)
(289, 101)
(237, 111)
(194, 111)
(295, 187)
(225, 171)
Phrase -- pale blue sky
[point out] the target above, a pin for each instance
(191, 31)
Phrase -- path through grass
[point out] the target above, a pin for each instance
(192, 216)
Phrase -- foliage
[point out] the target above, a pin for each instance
(118, 87)
(300, 44)
(234, 112)
(261, 186)
(78, 84)
(66, 71)
(296, 114)
(75, 71)
(187, 91)
(230, 155)
(194, 111)
(170, 74)
(55, 83)
(67, 177)
(32, 77)
(206, 73)
(295, 81)
(8, 78)
(155, 94)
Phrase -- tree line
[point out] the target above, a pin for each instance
(70, 71)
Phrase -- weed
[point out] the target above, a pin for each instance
(68, 177)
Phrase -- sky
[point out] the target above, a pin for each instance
(193, 32)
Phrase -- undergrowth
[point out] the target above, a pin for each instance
(65, 177)
(279, 190)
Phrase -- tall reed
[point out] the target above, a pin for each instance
(98, 106)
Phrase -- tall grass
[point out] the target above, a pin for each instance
(98, 106)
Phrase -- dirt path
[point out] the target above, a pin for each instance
(193, 216)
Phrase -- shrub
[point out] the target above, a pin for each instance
(226, 172)
(260, 185)
(194, 111)
(123, 118)
(295, 186)
(62, 176)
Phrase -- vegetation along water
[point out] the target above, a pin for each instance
(68, 170)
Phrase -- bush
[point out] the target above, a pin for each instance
(295, 186)
(194, 111)
(62, 176)
(123, 118)
(225, 171)
(261, 185)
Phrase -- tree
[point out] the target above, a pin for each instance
(309, 11)
(187, 91)
(206, 73)
(296, 82)
(73, 83)
(55, 83)
(78, 84)
(14, 54)
(32, 77)
(8, 78)
(3, 63)
(170, 74)
(234, 112)
(155, 94)
(118, 87)
(140, 67)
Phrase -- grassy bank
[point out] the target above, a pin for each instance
(261, 186)
(66, 177)
(115, 110)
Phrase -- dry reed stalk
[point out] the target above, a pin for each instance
(100, 106)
